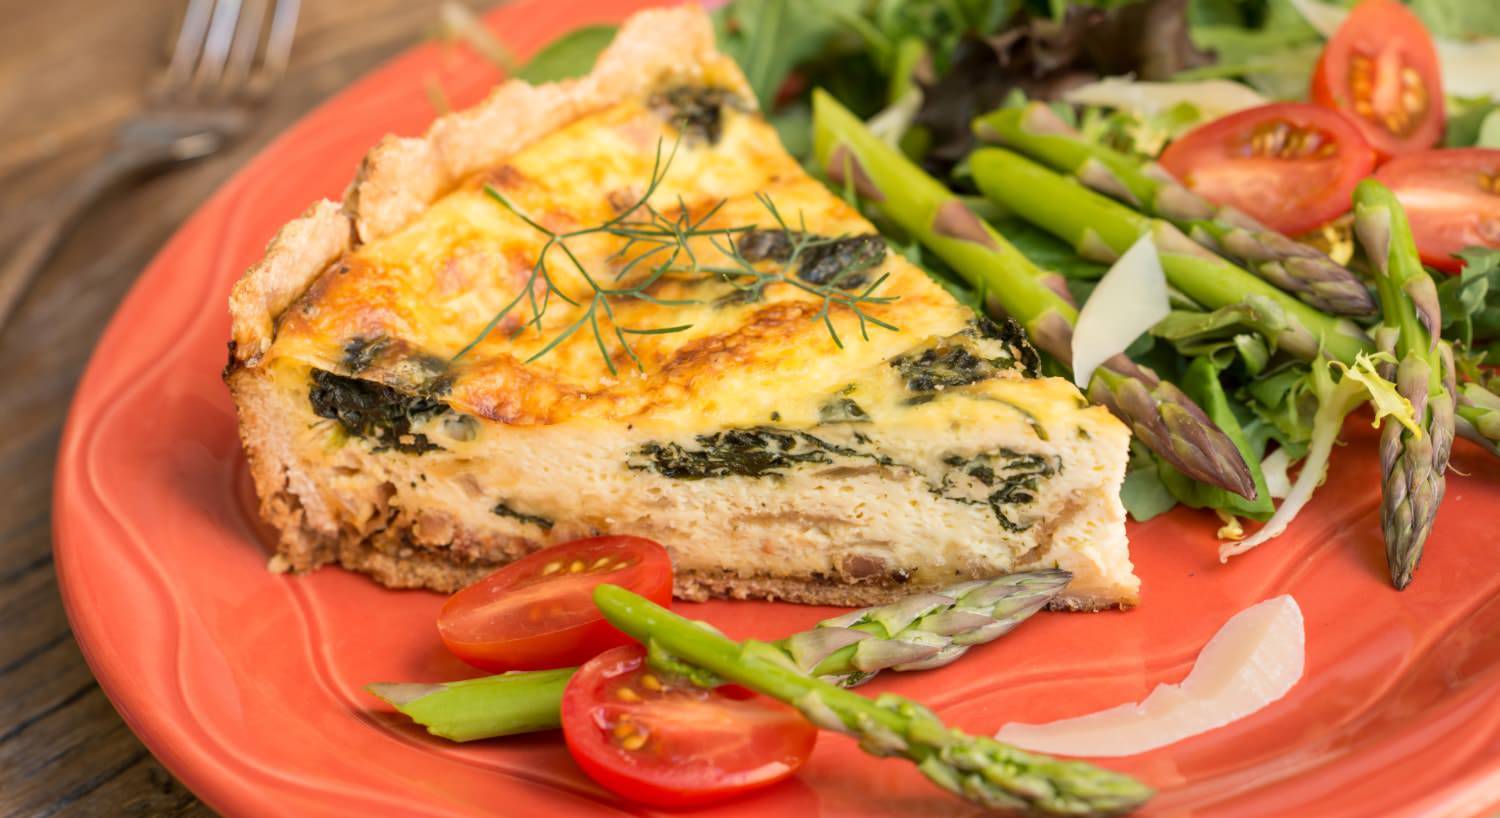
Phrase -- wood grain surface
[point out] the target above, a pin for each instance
(69, 71)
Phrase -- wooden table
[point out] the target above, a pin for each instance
(70, 70)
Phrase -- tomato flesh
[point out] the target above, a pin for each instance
(664, 741)
(538, 612)
(1381, 68)
(1291, 166)
(1451, 198)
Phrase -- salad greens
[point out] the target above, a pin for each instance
(561, 58)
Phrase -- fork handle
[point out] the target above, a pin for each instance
(37, 237)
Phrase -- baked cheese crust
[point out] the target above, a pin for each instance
(779, 443)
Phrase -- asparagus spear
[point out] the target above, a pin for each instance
(921, 631)
(1303, 271)
(1159, 413)
(490, 706)
(916, 633)
(1102, 229)
(980, 769)
(1413, 463)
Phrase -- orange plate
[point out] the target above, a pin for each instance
(248, 685)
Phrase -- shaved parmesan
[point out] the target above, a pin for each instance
(1251, 662)
(1212, 98)
(1130, 299)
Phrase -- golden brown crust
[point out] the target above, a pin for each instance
(401, 176)
(295, 256)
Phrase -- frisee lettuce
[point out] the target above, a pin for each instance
(1359, 384)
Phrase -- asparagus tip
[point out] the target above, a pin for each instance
(1403, 564)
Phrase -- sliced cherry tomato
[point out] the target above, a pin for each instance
(538, 612)
(1381, 69)
(1452, 199)
(664, 741)
(1291, 166)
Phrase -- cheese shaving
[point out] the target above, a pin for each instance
(1251, 662)
(1130, 299)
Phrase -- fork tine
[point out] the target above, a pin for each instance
(188, 44)
(216, 45)
(278, 43)
(242, 51)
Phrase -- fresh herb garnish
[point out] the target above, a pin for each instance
(661, 244)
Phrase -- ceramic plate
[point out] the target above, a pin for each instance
(248, 685)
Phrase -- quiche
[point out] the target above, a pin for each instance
(616, 304)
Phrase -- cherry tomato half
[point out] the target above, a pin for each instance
(1452, 199)
(1381, 69)
(538, 612)
(1290, 165)
(664, 741)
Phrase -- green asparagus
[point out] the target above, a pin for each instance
(916, 633)
(1159, 413)
(1301, 270)
(481, 708)
(980, 769)
(922, 631)
(1412, 462)
(1103, 229)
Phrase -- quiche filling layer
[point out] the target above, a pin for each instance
(788, 405)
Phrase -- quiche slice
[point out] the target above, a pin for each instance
(616, 304)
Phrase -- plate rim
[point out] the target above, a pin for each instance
(217, 786)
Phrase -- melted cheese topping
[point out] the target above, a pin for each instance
(399, 309)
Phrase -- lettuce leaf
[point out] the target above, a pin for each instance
(1470, 301)
(1459, 19)
(1143, 493)
(571, 55)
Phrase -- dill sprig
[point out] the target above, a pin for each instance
(743, 275)
(662, 245)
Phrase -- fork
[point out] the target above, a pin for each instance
(221, 67)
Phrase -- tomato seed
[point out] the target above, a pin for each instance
(1413, 97)
(552, 568)
(600, 563)
(625, 694)
(576, 567)
(650, 682)
(1284, 140)
(634, 741)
